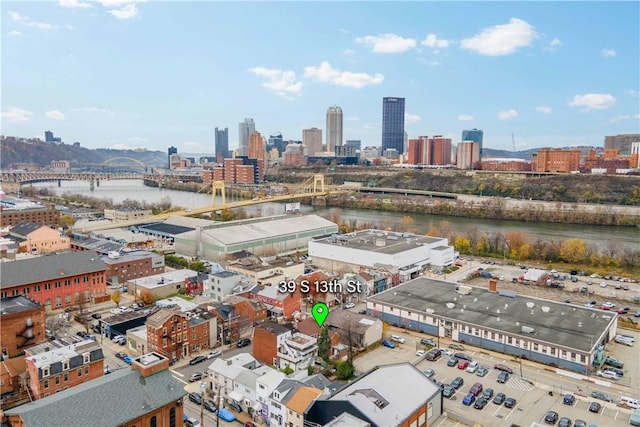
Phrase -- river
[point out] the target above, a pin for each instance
(120, 190)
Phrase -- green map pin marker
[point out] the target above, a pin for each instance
(320, 311)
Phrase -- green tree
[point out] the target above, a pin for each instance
(324, 344)
(287, 370)
(66, 221)
(573, 251)
(344, 370)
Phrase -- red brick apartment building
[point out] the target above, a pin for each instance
(267, 339)
(145, 395)
(23, 324)
(55, 366)
(56, 281)
(175, 334)
(45, 215)
(556, 160)
(248, 308)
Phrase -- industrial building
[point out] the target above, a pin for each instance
(550, 332)
(262, 236)
(410, 253)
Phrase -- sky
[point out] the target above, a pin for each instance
(132, 74)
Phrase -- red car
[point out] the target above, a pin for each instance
(463, 364)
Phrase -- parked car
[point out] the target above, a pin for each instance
(349, 305)
(499, 399)
(480, 403)
(503, 368)
(487, 393)
(510, 402)
(96, 316)
(607, 374)
(569, 399)
(463, 356)
(226, 415)
(602, 396)
(420, 353)
(209, 406)
(363, 311)
(473, 367)
(623, 341)
(564, 422)
(397, 339)
(452, 361)
(457, 382)
(197, 359)
(618, 372)
(482, 371)
(196, 376)
(427, 341)
(595, 407)
(433, 354)
(81, 334)
(448, 391)
(235, 405)
(128, 359)
(612, 361)
(213, 354)
(121, 355)
(117, 337)
(243, 342)
(195, 398)
(454, 346)
(579, 423)
(389, 344)
(463, 364)
(503, 377)
(429, 373)
(469, 399)
(476, 389)
(551, 417)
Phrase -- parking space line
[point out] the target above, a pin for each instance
(177, 373)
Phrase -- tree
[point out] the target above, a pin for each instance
(115, 297)
(407, 223)
(324, 345)
(287, 370)
(66, 221)
(344, 370)
(462, 245)
(573, 251)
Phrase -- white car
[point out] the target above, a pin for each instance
(623, 341)
(608, 304)
(420, 353)
(349, 305)
(473, 366)
(607, 374)
(396, 338)
(213, 354)
(117, 338)
(603, 284)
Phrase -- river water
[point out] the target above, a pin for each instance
(120, 190)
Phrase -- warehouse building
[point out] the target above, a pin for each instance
(409, 253)
(261, 236)
(553, 333)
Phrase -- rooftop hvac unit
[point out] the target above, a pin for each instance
(527, 329)
(545, 309)
(450, 305)
(531, 304)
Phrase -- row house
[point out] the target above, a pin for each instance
(248, 308)
(297, 352)
(267, 339)
(56, 281)
(55, 366)
(296, 406)
(194, 285)
(230, 381)
(177, 334)
(279, 304)
(219, 285)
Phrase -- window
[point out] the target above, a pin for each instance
(58, 301)
(65, 365)
(164, 331)
(46, 383)
(86, 358)
(67, 299)
(535, 346)
(86, 370)
(66, 376)
(80, 372)
(47, 301)
(45, 371)
(57, 379)
(47, 286)
(164, 343)
(583, 358)
(172, 417)
(194, 336)
(153, 422)
(57, 284)
(16, 292)
(25, 291)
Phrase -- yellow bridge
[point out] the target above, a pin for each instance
(315, 186)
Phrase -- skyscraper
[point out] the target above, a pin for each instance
(222, 144)
(334, 128)
(393, 124)
(255, 146)
(245, 129)
(170, 151)
(474, 135)
(312, 141)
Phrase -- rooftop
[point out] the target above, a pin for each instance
(96, 400)
(347, 420)
(560, 324)
(25, 228)
(302, 398)
(50, 352)
(17, 304)
(125, 256)
(165, 228)
(49, 267)
(102, 246)
(387, 402)
(385, 242)
(275, 328)
(163, 279)
(345, 319)
(224, 274)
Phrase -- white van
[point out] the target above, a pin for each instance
(630, 402)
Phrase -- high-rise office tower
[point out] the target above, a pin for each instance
(393, 124)
(334, 128)
(245, 129)
(255, 146)
(170, 151)
(474, 135)
(468, 155)
(222, 144)
(312, 141)
(276, 141)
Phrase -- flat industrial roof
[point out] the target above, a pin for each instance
(552, 322)
(381, 241)
(163, 279)
(17, 304)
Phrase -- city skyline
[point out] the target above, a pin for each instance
(126, 74)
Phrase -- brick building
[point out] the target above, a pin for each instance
(556, 160)
(57, 281)
(38, 238)
(267, 339)
(55, 366)
(124, 266)
(145, 395)
(23, 324)
(279, 303)
(45, 215)
(248, 308)
(176, 334)
(506, 165)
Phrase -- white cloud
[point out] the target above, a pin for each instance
(386, 43)
(14, 33)
(327, 74)
(71, 27)
(16, 115)
(433, 41)
(282, 82)
(465, 118)
(507, 114)
(55, 114)
(593, 101)
(543, 109)
(24, 20)
(411, 118)
(625, 117)
(608, 53)
(114, 3)
(128, 11)
(553, 45)
(502, 39)
(74, 4)
(136, 139)
(343, 31)
(348, 52)
(555, 42)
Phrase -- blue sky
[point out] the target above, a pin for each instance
(121, 73)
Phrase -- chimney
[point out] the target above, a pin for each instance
(228, 362)
(150, 363)
(493, 285)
